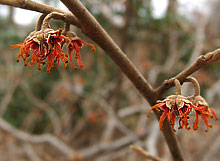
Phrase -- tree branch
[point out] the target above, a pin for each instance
(42, 8)
(94, 30)
(145, 154)
(202, 61)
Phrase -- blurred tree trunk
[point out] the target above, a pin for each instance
(11, 16)
(124, 42)
(172, 6)
(213, 27)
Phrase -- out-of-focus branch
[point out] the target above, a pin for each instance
(30, 152)
(212, 152)
(199, 38)
(45, 107)
(7, 97)
(42, 8)
(45, 138)
(102, 148)
(152, 139)
(112, 116)
(206, 148)
(115, 155)
(211, 92)
(145, 154)
(127, 111)
(106, 11)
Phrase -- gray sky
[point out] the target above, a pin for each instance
(159, 7)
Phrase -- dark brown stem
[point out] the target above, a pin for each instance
(195, 83)
(178, 86)
(39, 22)
(67, 27)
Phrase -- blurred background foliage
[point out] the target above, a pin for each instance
(73, 104)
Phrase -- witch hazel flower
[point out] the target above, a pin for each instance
(75, 44)
(45, 45)
(202, 108)
(174, 106)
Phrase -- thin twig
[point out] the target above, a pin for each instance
(7, 97)
(30, 152)
(102, 148)
(199, 63)
(145, 154)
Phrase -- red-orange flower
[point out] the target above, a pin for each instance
(28, 44)
(202, 109)
(174, 106)
(75, 44)
(47, 44)
(55, 52)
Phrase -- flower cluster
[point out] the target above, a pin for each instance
(202, 109)
(46, 46)
(174, 106)
(178, 106)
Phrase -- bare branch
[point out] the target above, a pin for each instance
(45, 138)
(152, 139)
(215, 89)
(145, 154)
(42, 8)
(30, 152)
(115, 145)
(207, 147)
(199, 63)
(7, 98)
